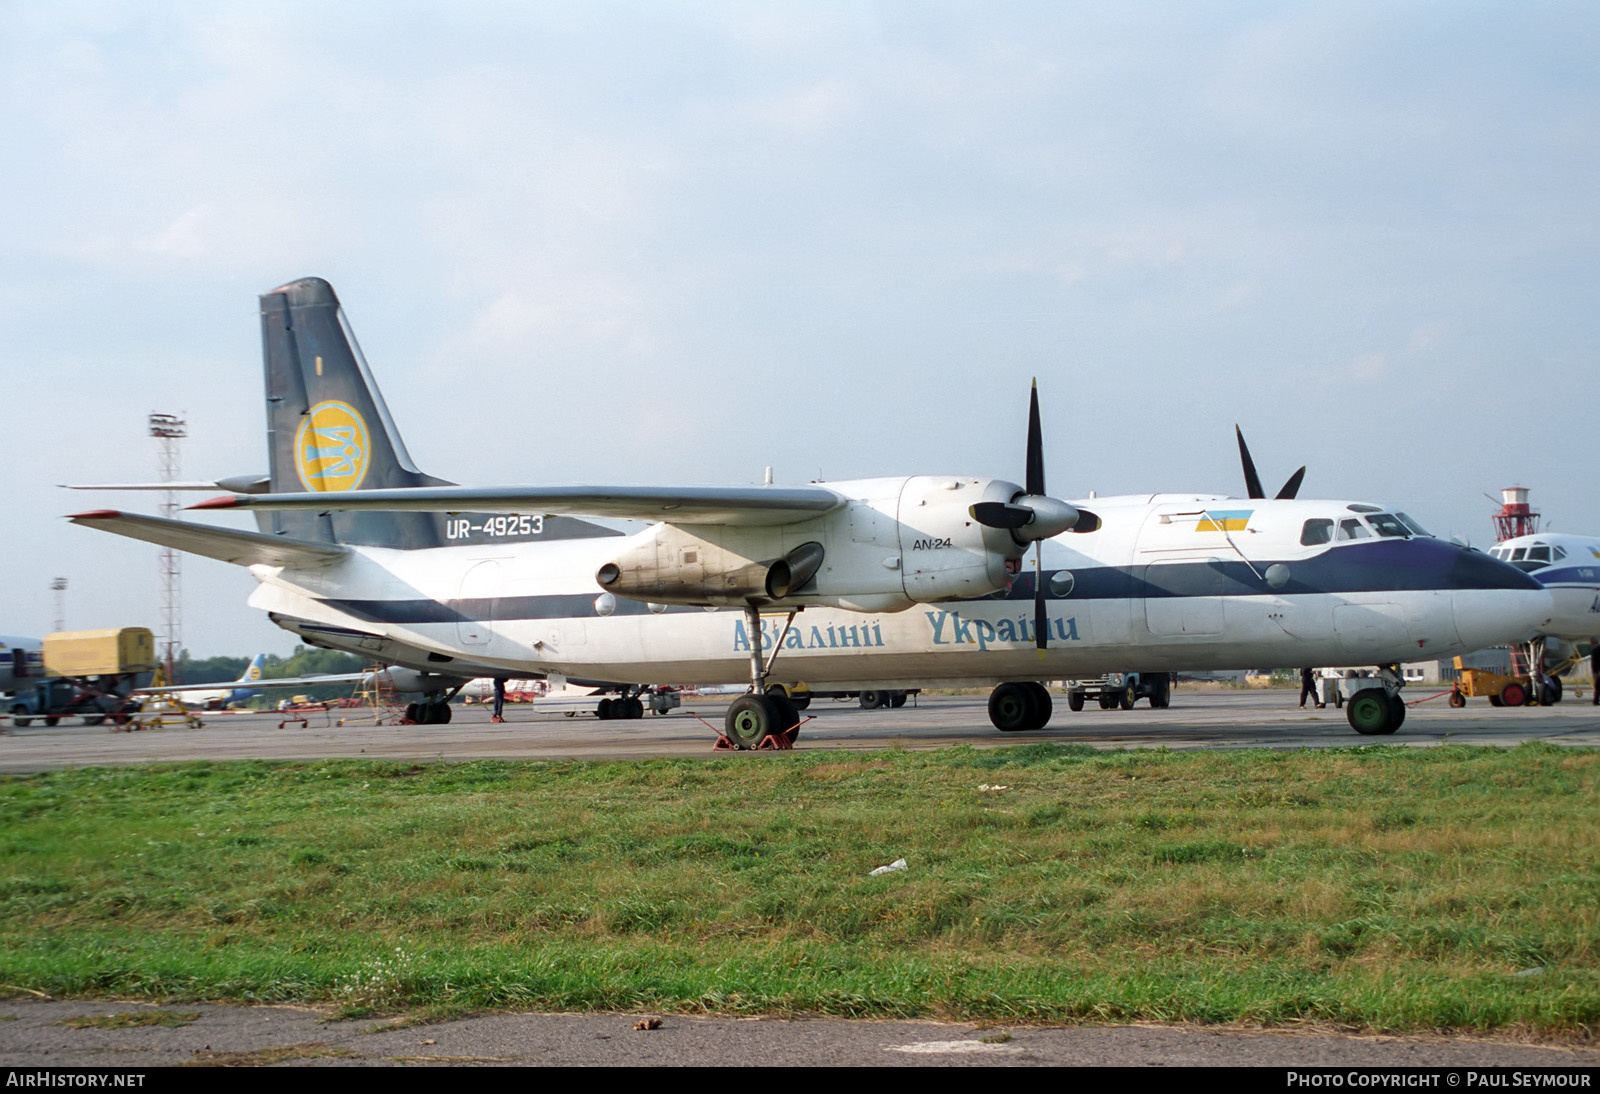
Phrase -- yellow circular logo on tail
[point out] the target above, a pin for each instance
(330, 447)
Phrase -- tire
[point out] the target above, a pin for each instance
(52, 719)
(897, 699)
(1397, 712)
(443, 714)
(1043, 706)
(801, 701)
(1457, 699)
(635, 708)
(602, 710)
(1012, 707)
(750, 719)
(1496, 701)
(411, 714)
(1161, 692)
(871, 700)
(1369, 713)
(1513, 694)
(1107, 700)
(94, 719)
(1075, 700)
(1128, 697)
(20, 722)
(788, 716)
(1550, 694)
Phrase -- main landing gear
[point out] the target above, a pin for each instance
(1020, 706)
(1378, 710)
(624, 706)
(766, 717)
(432, 711)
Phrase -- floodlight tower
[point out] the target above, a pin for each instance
(168, 429)
(1516, 517)
(58, 586)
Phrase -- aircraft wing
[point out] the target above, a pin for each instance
(228, 544)
(747, 505)
(278, 682)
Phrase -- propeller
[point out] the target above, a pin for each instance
(1252, 481)
(1033, 516)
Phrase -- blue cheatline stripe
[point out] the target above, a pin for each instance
(1380, 566)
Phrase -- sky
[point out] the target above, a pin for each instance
(616, 242)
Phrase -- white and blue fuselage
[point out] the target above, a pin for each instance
(1166, 583)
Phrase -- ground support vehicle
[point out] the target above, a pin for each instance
(89, 674)
(1502, 689)
(1121, 689)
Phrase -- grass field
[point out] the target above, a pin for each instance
(1380, 888)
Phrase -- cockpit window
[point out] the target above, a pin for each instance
(1388, 526)
(1316, 531)
(1351, 528)
(1557, 554)
(1416, 529)
(1518, 553)
(1539, 552)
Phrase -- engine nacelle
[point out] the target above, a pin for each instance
(894, 543)
(679, 565)
(946, 554)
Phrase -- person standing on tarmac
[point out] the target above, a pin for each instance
(499, 699)
(1308, 686)
(1594, 673)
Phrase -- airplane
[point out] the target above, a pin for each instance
(1568, 566)
(872, 583)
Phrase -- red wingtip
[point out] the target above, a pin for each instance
(224, 501)
(95, 514)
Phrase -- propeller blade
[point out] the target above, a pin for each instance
(1034, 482)
(1252, 481)
(1041, 620)
(998, 514)
(1292, 487)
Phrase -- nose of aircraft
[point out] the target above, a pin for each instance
(1495, 617)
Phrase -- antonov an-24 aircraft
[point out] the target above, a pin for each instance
(865, 584)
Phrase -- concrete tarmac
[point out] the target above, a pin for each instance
(1196, 719)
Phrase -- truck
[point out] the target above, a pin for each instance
(88, 674)
(1121, 689)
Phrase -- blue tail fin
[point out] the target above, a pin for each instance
(328, 429)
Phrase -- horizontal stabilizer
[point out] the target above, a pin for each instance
(238, 484)
(227, 544)
(746, 505)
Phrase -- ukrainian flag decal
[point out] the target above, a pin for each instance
(1233, 520)
(331, 448)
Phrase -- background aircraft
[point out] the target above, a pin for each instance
(212, 696)
(901, 580)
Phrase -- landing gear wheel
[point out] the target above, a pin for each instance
(801, 701)
(750, 719)
(1551, 693)
(1043, 707)
(602, 710)
(411, 714)
(1161, 692)
(1012, 707)
(635, 708)
(1075, 700)
(1372, 713)
(1513, 695)
(788, 715)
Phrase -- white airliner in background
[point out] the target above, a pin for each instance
(873, 583)
(1569, 567)
(214, 696)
